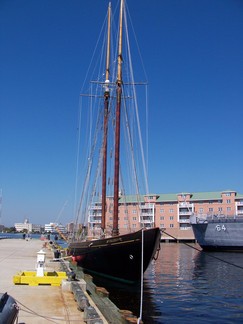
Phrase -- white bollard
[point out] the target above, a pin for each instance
(40, 263)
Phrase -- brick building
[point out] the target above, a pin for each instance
(170, 212)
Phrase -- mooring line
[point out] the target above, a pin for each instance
(206, 253)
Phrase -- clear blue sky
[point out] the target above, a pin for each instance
(193, 55)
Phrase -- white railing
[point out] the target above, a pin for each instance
(146, 214)
(96, 221)
(189, 212)
(184, 221)
(185, 205)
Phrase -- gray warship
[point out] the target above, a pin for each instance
(218, 232)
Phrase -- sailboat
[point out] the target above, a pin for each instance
(118, 257)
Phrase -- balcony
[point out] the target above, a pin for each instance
(146, 214)
(185, 204)
(95, 207)
(184, 220)
(94, 218)
(146, 219)
(239, 203)
(183, 212)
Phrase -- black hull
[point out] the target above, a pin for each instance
(117, 258)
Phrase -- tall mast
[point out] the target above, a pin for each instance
(106, 110)
(115, 230)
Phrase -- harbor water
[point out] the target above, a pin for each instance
(184, 285)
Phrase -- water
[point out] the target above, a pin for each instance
(186, 285)
(60, 242)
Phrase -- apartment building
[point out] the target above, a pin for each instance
(170, 212)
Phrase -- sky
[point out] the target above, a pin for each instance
(193, 56)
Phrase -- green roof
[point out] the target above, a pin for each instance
(167, 197)
(211, 195)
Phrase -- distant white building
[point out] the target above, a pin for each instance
(25, 226)
(37, 228)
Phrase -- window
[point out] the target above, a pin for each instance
(210, 209)
(171, 217)
(161, 210)
(200, 210)
(134, 211)
(171, 225)
(134, 218)
(171, 210)
(162, 225)
(228, 201)
(228, 208)
(162, 218)
(134, 225)
(228, 194)
(220, 209)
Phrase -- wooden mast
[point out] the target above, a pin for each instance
(115, 230)
(106, 111)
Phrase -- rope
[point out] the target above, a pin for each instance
(206, 253)
(32, 312)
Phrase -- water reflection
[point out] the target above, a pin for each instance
(186, 285)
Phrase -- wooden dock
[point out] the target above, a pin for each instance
(43, 303)
(76, 300)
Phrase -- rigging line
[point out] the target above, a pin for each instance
(98, 169)
(132, 149)
(61, 211)
(136, 104)
(136, 40)
(125, 201)
(92, 57)
(90, 163)
(77, 157)
(147, 130)
(208, 254)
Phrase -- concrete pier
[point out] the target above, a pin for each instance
(38, 304)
